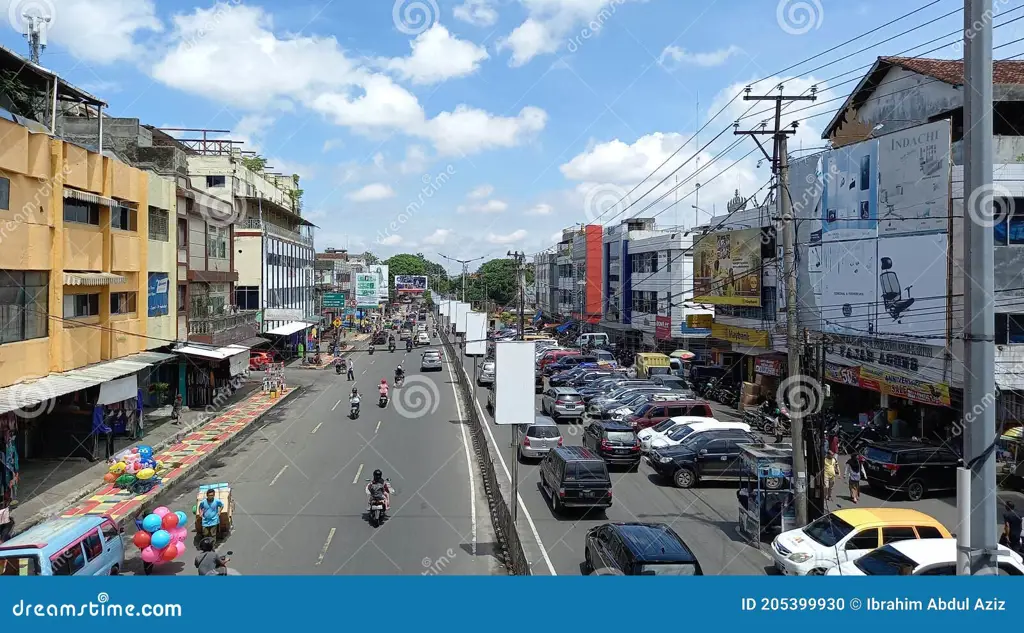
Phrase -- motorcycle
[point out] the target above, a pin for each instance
(391, 347)
(371, 350)
(376, 509)
(224, 570)
(353, 411)
(726, 395)
(707, 390)
(338, 369)
(383, 401)
(399, 380)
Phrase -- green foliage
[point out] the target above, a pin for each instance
(255, 164)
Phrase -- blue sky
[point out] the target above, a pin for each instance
(540, 113)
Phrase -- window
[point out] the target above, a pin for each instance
(182, 294)
(124, 218)
(897, 534)
(68, 562)
(159, 225)
(79, 306)
(122, 302)
(927, 531)
(1009, 230)
(216, 181)
(1009, 328)
(182, 233)
(81, 212)
(247, 297)
(5, 193)
(93, 545)
(24, 305)
(866, 539)
(884, 561)
(19, 566)
(110, 531)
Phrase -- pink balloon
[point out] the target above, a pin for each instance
(182, 534)
(181, 548)
(161, 511)
(150, 555)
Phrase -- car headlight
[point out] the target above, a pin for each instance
(665, 460)
(799, 557)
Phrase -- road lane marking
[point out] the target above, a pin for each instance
(279, 473)
(323, 552)
(469, 460)
(335, 405)
(358, 472)
(316, 428)
(378, 426)
(504, 466)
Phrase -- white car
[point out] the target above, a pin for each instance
(661, 429)
(922, 557)
(693, 424)
(422, 327)
(423, 338)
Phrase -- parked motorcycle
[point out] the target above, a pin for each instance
(726, 394)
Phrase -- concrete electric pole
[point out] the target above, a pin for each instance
(780, 167)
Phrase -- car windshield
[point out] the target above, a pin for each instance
(19, 566)
(884, 561)
(569, 397)
(828, 530)
(681, 433)
(643, 409)
(664, 425)
(624, 437)
(669, 569)
(543, 432)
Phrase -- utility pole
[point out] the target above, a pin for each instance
(35, 33)
(520, 259)
(979, 334)
(780, 167)
(465, 270)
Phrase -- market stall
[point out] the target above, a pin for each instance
(766, 490)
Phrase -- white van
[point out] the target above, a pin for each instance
(597, 339)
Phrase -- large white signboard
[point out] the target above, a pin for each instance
(514, 382)
(476, 334)
(461, 309)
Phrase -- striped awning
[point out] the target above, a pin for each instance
(86, 196)
(92, 279)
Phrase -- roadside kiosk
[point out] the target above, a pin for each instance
(766, 490)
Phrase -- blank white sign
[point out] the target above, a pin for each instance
(476, 334)
(514, 382)
(461, 310)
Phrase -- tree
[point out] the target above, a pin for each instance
(370, 258)
(409, 264)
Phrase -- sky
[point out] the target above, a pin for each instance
(473, 127)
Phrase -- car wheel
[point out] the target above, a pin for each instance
(115, 570)
(685, 478)
(556, 504)
(915, 490)
(816, 572)
(773, 483)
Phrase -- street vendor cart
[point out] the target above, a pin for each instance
(766, 490)
(223, 494)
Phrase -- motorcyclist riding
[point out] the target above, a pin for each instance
(353, 400)
(383, 389)
(380, 490)
(408, 345)
(399, 374)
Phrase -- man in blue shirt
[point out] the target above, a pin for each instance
(209, 510)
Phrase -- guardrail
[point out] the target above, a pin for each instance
(498, 489)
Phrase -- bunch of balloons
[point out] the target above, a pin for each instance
(162, 535)
(134, 469)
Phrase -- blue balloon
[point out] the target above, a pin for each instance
(182, 518)
(160, 539)
(151, 523)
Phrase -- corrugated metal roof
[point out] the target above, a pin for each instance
(92, 279)
(109, 371)
(151, 358)
(216, 354)
(28, 395)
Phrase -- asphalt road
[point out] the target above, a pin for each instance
(299, 482)
(704, 517)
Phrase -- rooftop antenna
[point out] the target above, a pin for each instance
(35, 32)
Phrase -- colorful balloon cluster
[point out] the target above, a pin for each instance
(162, 535)
(134, 469)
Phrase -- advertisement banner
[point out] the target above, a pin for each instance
(912, 293)
(842, 374)
(768, 366)
(663, 328)
(700, 321)
(913, 180)
(411, 283)
(380, 271)
(159, 287)
(366, 290)
(741, 335)
(727, 268)
(901, 386)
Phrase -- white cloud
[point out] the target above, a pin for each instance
(469, 130)
(251, 129)
(382, 106)
(540, 209)
(481, 192)
(415, 161)
(552, 24)
(615, 161)
(510, 238)
(372, 192)
(437, 56)
(491, 206)
(476, 12)
(438, 237)
(332, 143)
(677, 56)
(390, 240)
(96, 31)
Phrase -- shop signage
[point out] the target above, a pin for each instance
(699, 321)
(904, 387)
(867, 355)
(663, 328)
(768, 366)
(741, 335)
(843, 374)
(694, 331)
(925, 362)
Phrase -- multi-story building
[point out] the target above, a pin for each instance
(617, 292)
(545, 283)
(273, 254)
(587, 268)
(565, 285)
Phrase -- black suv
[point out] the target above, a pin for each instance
(713, 454)
(913, 468)
(638, 549)
(574, 477)
(615, 442)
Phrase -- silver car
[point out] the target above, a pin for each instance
(562, 402)
(535, 440)
(486, 374)
(431, 361)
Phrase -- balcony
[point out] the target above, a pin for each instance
(223, 329)
(277, 231)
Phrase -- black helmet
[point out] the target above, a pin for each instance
(377, 475)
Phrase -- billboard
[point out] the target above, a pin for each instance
(411, 283)
(366, 290)
(476, 334)
(727, 268)
(158, 291)
(380, 271)
(514, 397)
(461, 310)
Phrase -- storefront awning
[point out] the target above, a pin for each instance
(150, 358)
(30, 395)
(220, 353)
(92, 279)
(289, 328)
(86, 196)
(254, 341)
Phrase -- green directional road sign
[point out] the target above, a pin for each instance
(334, 299)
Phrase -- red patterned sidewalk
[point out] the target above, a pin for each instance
(179, 459)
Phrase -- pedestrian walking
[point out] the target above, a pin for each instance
(351, 370)
(831, 471)
(1012, 527)
(176, 410)
(209, 511)
(6, 522)
(854, 474)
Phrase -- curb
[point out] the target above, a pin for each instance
(164, 490)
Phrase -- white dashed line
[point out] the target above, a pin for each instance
(279, 473)
(358, 473)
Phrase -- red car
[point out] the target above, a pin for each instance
(258, 361)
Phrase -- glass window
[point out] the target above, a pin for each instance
(81, 212)
(182, 290)
(159, 225)
(1016, 231)
(865, 539)
(543, 432)
(5, 193)
(897, 534)
(828, 530)
(589, 471)
(110, 531)
(182, 233)
(19, 566)
(927, 531)
(624, 437)
(1009, 328)
(122, 302)
(124, 219)
(669, 569)
(93, 545)
(68, 562)
(79, 306)
(884, 561)
(216, 181)
(24, 305)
